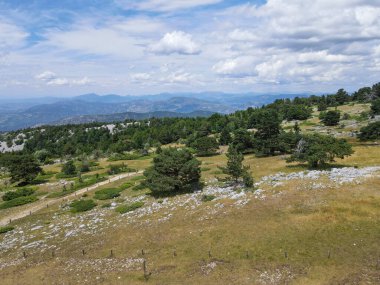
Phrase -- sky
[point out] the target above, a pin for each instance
(70, 47)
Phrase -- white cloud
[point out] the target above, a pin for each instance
(165, 5)
(46, 76)
(178, 77)
(58, 81)
(52, 79)
(11, 36)
(140, 77)
(236, 67)
(176, 42)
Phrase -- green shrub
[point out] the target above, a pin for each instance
(108, 193)
(82, 206)
(22, 192)
(208, 198)
(107, 205)
(139, 187)
(6, 229)
(18, 202)
(129, 208)
(125, 186)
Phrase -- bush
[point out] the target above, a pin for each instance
(129, 208)
(248, 180)
(208, 198)
(82, 206)
(330, 118)
(370, 132)
(69, 168)
(106, 194)
(125, 186)
(6, 229)
(139, 187)
(18, 202)
(18, 193)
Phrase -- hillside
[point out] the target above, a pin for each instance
(296, 225)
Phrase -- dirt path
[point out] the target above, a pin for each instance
(43, 203)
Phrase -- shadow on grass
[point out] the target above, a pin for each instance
(327, 166)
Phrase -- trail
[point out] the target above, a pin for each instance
(43, 203)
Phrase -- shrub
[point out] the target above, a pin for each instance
(125, 186)
(330, 118)
(108, 193)
(69, 168)
(248, 180)
(18, 202)
(208, 198)
(370, 132)
(18, 193)
(139, 187)
(82, 206)
(6, 229)
(129, 208)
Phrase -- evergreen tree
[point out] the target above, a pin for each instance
(206, 146)
(22, 168)
(225, 137)
(234, 168)
(69, 168)
(330, 118)
(375, 107)
(317, 150)
(342, 97)
(268, 131)
(173, 171)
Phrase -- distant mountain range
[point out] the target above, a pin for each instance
(22, 113)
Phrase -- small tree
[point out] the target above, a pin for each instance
(225, 137)
(206, 146)
(69, 168)
(235, 168)
(317, 150)
(330, 118)
(173, 171)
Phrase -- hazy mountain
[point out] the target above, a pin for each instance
(17, 113)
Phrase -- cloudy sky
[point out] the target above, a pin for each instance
(71, 47)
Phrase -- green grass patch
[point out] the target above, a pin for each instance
(108, 193)
(18, 202)
(82, 206)
(205, 169)
(125, 186)
(129, 208)
(208, 198)
(6, 229)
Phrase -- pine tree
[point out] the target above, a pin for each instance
(225, 137)
(234, 168)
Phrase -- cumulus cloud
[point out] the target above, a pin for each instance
(236, 67)
(176, 42)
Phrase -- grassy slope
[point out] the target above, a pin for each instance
(309, 225)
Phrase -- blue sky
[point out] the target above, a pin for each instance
(68, 47)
